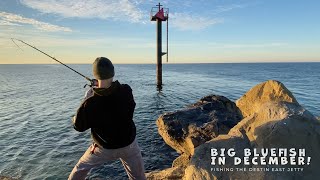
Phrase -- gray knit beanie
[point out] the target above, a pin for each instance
(102, 68)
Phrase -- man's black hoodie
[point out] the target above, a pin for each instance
(109, 114)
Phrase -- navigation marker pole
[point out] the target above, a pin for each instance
(160, 14)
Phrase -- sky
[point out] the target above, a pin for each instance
(200, 31)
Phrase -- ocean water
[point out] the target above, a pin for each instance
(37, 140)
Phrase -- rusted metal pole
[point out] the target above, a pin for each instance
(159, 53)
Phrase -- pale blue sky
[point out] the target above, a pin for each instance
(201, 31)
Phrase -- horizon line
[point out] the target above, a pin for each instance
(164, 63)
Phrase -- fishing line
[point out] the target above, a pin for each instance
(16, 44)
(92, 81)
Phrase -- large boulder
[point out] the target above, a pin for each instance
(176, 172)
(278, 125)
(200, 167)
(186, 129)
(269, 91)
(273, 123)
(287, 123)
(182, 160)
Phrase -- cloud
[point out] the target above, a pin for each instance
(9, 19)
(105, 9)
(186, 19)
(133, 11)
(7, 23)
(183, 21)
(226, 8)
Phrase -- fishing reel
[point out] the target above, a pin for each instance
(93, 83)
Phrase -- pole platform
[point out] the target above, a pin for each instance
(154, 18)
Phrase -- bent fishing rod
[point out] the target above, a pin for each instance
(92, 81)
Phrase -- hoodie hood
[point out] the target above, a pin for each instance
(107, 91)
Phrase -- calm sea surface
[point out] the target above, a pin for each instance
(37, 140)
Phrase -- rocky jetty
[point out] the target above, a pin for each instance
(272, 119)
(186, 129)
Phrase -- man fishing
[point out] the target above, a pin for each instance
(108, 111)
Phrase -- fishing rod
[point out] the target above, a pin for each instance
(92, 81)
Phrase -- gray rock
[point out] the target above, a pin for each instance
(275, 123)
(174, 173)
(200, 167)
(273, 119)
(186, 129)
(182, 160)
